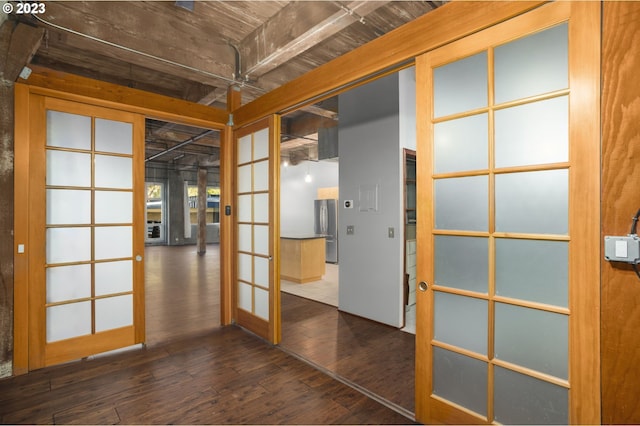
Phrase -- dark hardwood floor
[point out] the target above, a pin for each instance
(373, 356)
(194, 372)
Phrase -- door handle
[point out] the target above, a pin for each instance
(138, 258)
(423, 286)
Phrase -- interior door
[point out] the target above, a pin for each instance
(87, 230)
(257, 248)
(508, 214)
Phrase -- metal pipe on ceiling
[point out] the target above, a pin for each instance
(180, 145)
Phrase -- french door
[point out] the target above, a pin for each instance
(86, 231)
(508, 214)
(257, 274)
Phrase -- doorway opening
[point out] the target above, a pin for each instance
(182, 251)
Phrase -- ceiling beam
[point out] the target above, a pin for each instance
(194, 51)
(296, 28)
(18, 44)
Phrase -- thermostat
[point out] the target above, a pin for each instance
(622, 249)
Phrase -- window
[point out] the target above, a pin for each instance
(213, 204)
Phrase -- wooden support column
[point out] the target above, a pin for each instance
(227, 233)
(202, 211)
(18, 44)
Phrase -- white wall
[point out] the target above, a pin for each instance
(296, 195)
(371, 263)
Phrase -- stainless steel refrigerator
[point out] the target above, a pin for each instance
(326, 224)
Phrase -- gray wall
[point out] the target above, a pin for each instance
(371, 263)
(296, 195)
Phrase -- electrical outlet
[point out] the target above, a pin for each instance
(350, 229)
(392, 233)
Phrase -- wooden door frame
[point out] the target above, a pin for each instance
(584, 202)
(64, 86)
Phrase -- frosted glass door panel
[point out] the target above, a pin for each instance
(244, 208)
(114, 312)
(261, 176)
(67, 321)
(261, 271)
(462, 262)
(533, 202)
(262, 303)
(66, 130)
(533, 270)
(535, 133)
(244, 149)
(68, 245)
(114, 277)
(244, 237)
(245, 297)
(245, 267)
(462, 203)
(68, 207)
(521, 399)
(532, 338)
(460, 379)
(261, 144)
(461, 321)
(261, 208)
(68, 283)
(261, 239)
(460, 86)
(113, 207)
(461, 144)
(532, 65)
(68, 168)
(244, 178)
(113, 242)
(114, 136)
(113, 172)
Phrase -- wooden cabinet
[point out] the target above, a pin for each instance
(302, 259)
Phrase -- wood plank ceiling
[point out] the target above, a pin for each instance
(164, 48)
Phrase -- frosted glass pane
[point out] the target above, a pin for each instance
(113, 172)
(68, 168)
(261, 176)
(462, 203)
(462, 262)
(244, 208)
(532, 65)
(67, 321)
(68, 245)
(245, 267)
(461, 321)
(65, 206)
(535, 133)
(114, 136)
(244, 238)
(521, 399)
(533, 270)
(460, 86)
(261, 208)
(261, 239)
(244, 178)
(460, 379)
(244, 297)
(68, 130)
(261, 271)
(533, 202)
(114, 277)
(261, 144)
(461, 144)
(114, 207)
(532, 338)
(261, 303)
(68, 283)
(114, 312)
(244, 149)
(112, 242)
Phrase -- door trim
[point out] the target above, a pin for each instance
(80, 89)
